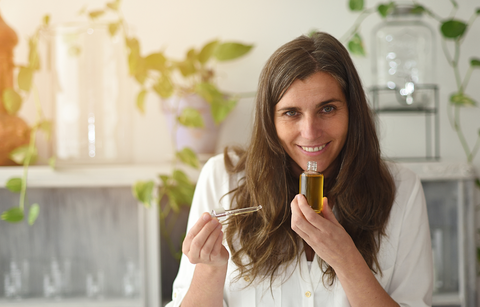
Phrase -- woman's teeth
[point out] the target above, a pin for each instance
(313, 149)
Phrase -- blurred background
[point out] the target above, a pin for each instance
(172, 28)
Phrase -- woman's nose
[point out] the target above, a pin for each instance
(311, 127)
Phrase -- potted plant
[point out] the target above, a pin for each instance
(18, 138)
(192, 102)
(453, 32)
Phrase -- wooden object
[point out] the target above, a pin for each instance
(14, 132)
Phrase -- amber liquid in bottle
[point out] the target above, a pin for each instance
(311, 185)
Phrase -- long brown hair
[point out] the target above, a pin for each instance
(363, 190)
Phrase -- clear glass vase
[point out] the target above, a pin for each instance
(92, 102)
(404, 56)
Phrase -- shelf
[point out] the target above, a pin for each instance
(441, 170)
(446, 299)
(407, 110)
(89, 176)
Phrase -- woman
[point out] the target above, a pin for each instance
(371, 246)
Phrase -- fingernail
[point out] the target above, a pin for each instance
(206, 217)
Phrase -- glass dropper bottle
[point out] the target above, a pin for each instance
(311, 185)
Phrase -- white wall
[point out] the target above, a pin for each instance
(174, 26)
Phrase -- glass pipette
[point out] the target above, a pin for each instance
(232, 212)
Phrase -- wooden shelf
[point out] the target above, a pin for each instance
(90, 176)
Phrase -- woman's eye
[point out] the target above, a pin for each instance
(291, 113)
(328, 109)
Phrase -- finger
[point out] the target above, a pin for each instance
(209, 245)
(310, 215)
(217, 248)
(298, 223)
(194, 231)
(328, 213)
(196, 240)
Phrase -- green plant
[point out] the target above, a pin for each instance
(26, 155)
(166, 77)
(453, 31)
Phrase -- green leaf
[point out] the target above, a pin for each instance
(188, 156)
(453, 29)
(46, 20)
(477, 181)
(191, 55)
(178, 188)
(114, 5)
(33, 57)
(418, 9)
(25, 77)
(231, 50)
(136, 63)
(52, 161)
(133, 44)
(475, 62)
(478, 11)
(355, 5)
(13, 215)
(96, 14)
(184, 188)
(14, 184)
(355, 45)
(137, 67)
(141, 101)
(74, 51)
(191, 117)
(33, 214)
(12, 101)
(386, 9)
(187, 67)
(312, 32)
(220, 106)
(207, 51)
(113, 28)
(462, 100)
(156, 61)
(221, 109)
(208, 91)
(19, 154)
(164, 87)
(142, 191)
(46, 127)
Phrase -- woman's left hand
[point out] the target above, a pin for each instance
(324, 234)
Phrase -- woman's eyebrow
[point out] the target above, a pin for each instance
(287, 108)
(320, 104)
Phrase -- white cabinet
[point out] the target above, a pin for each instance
(90, 219)
(449, 192)
(91, 235)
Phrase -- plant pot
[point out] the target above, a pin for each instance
(200, 140)
(14, 131)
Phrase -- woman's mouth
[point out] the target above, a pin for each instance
(313, 149)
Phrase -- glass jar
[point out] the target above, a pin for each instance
(92, 103)
(404, 56)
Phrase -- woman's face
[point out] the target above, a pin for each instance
(311, 121)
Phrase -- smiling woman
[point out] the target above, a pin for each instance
(311, 121)
(371, 245)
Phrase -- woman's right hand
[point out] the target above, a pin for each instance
(203, 243)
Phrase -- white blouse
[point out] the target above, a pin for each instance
(405, 255)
